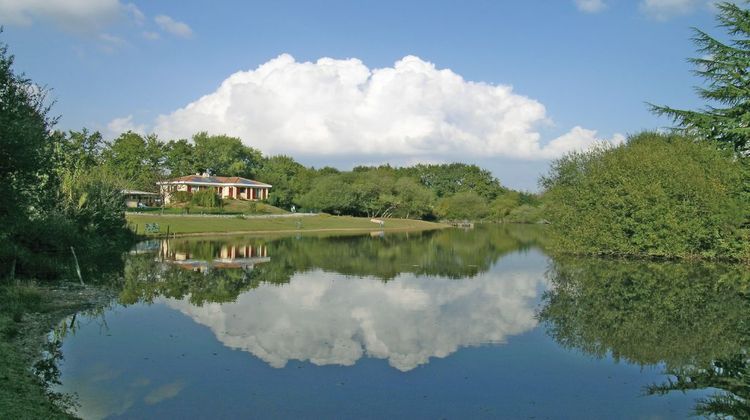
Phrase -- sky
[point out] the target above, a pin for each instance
(508, 85)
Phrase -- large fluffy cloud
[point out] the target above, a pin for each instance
(341, 107)
(328, 318)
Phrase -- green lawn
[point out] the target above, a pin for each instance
(320, 223)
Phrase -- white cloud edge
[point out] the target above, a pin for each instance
(590, 6)
(173, 26)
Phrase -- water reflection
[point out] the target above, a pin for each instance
(329, 318)
(693, 318)
(392, 297)
(220, 269)
(205, 256)
(388, 307)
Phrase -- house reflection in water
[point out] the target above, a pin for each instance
(219, 256)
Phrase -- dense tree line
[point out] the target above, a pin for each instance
(447, 191)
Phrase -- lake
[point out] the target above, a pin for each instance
(477, 323)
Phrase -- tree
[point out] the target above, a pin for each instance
(448, 179)
(289, 178)
(331, 194)
(225, 156)
(25, 128)
(179, 158)
(462, 206)
(413, 199)
(135, 159)
(726, 68)
(657, 196)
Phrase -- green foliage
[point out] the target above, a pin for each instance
(724, 66)
(181, 197)
(448, 179)
(137, 160)
(462, 206)
(224, 155)
(289, 178)
(179, 158)
(658, 195)
(56, 194)
(25, 127)
(206, 198)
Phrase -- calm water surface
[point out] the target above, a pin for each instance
(448, 324)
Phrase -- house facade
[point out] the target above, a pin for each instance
(233, 187)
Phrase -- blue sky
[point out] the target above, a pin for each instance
(419, 81)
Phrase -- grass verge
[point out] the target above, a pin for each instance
(184, 225)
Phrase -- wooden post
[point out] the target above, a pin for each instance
(167, 231)
(136, 228)
(78, 268)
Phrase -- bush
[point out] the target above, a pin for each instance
(181, 197)
(462, 206)
(206, 198)
(658, 195)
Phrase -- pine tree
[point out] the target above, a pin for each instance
(725, 66)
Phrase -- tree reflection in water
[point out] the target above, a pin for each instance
(188, 268)
(693, 318)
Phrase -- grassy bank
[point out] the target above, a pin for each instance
(183, 225)
(27, 314)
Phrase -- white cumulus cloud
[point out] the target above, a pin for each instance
(75, 15)
(590, 6)
(174, 27)
(342, 107)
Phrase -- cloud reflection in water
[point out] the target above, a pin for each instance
(328, 318)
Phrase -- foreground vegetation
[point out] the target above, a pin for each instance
(22, 394)
(656, 196)
(208, 224)
(685, 195)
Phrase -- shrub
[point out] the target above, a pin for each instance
(462, 206)
(181, 197)
(206, 198)
(657, 195)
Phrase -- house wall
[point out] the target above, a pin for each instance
(225, 192)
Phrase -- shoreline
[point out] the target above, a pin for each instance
(24, 394)
(169, 226)
(289, 232)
